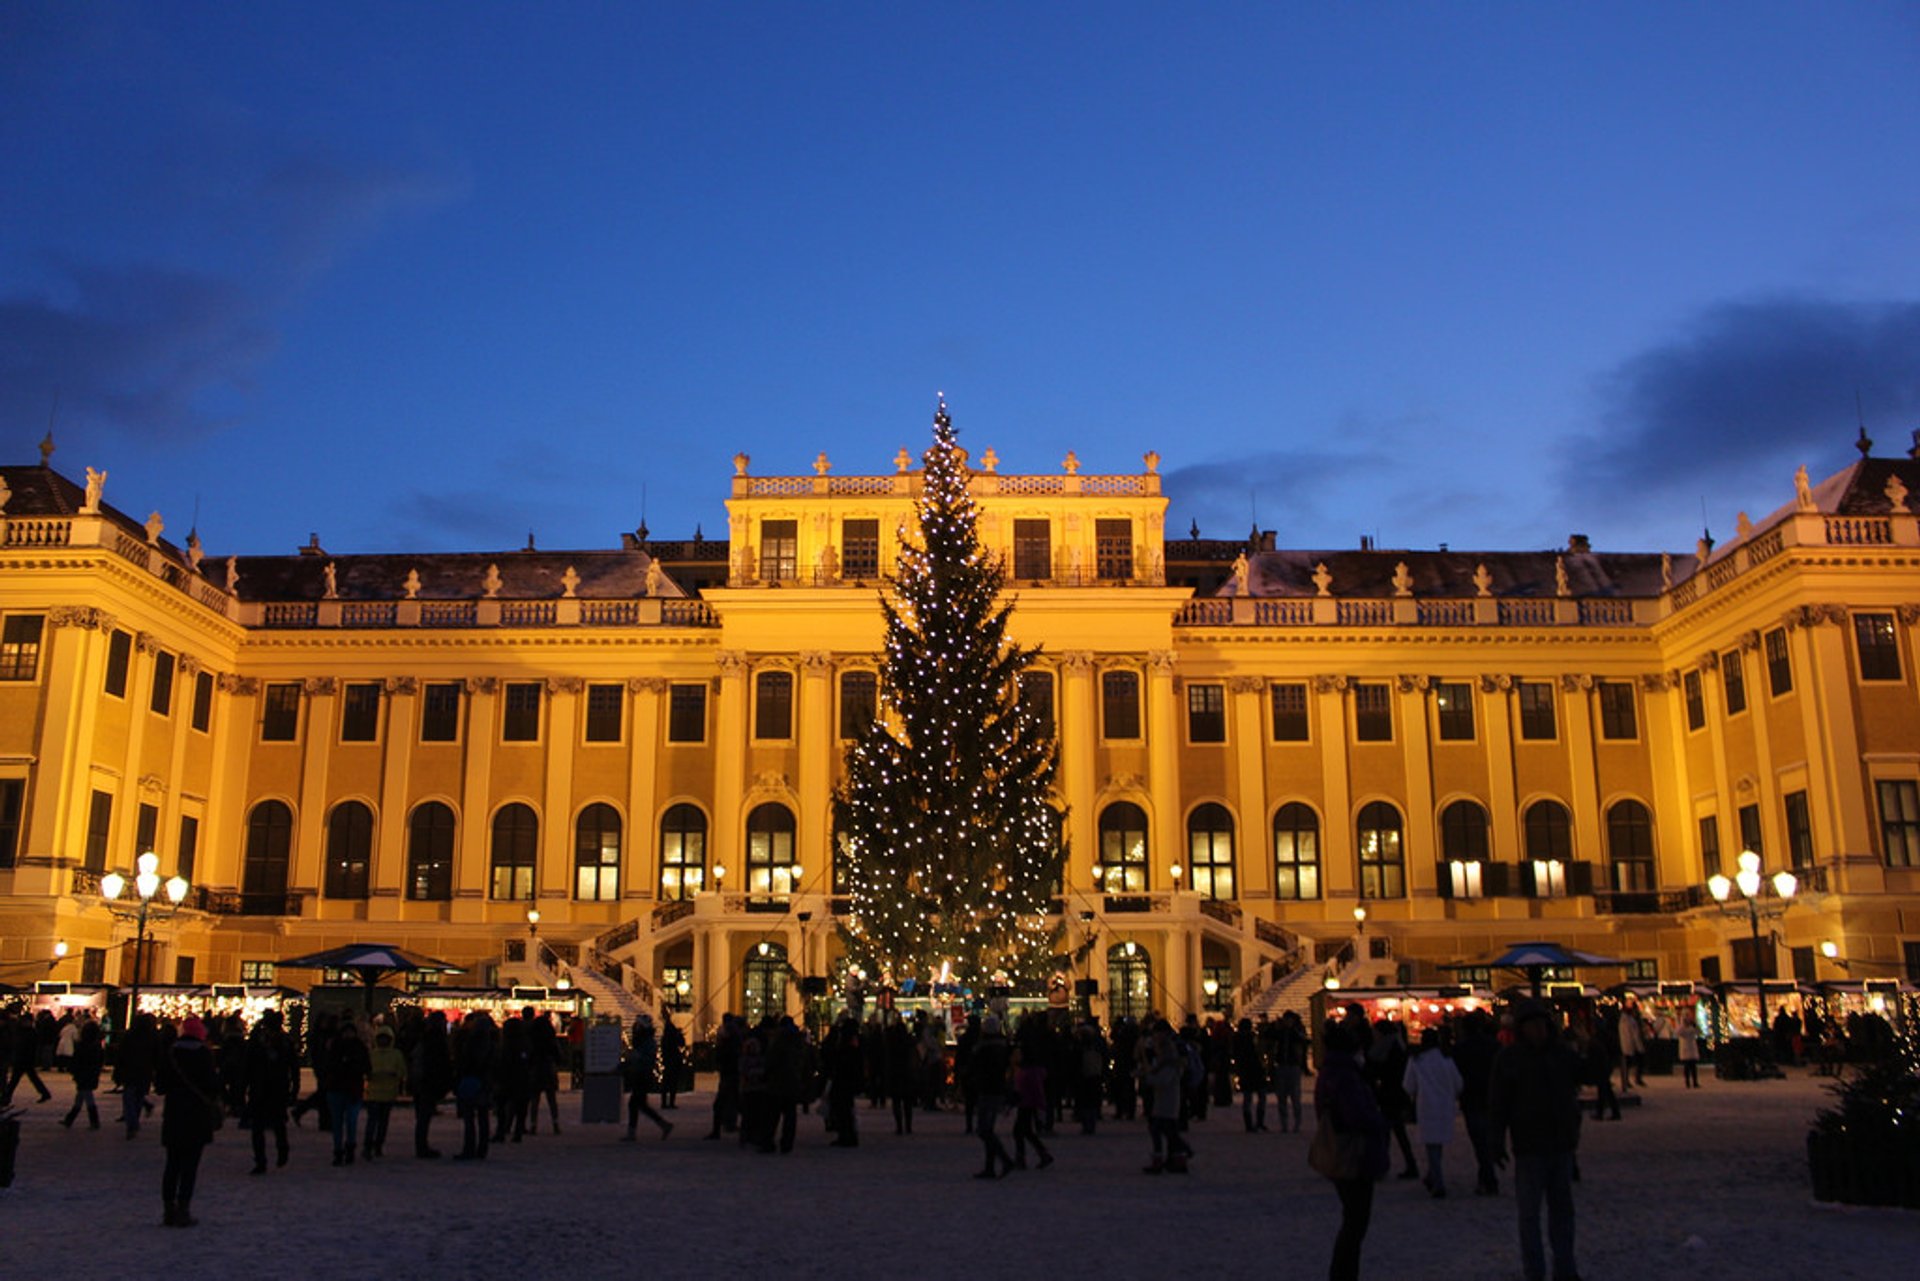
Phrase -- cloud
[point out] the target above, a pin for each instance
(1281, 489)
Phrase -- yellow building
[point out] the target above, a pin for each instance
(1477, 748)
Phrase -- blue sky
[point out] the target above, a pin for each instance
(431, 275)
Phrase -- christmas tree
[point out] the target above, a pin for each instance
(953, 842)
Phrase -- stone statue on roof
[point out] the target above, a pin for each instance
(1242, 575)
(569, 583)
(656, 577)
(1560, 584)
(153, 526)
(412, 586)
(96, 482)
(5, 494)
(333, 582)
(1896, 492)
(233, 574)
(1666, 571)
(1803, 491)
(1742, 527)
(1482, 579)
(195, 552)
(1322, 579)
(1402, 580)
(490, 585)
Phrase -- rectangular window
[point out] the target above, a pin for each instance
(93, 965)
(20, 647)
(1536, 710)
(521, 723)
(280, 713)
(183, 970)
(1878, 647)
(1750, 830)
(1289, 713)
(161, 700)
(1696, 700)
(440, 712)
(1373, 713)
(1779, 666)
(1799, 831)
(859, 702)
(1733, 682)
(687, 714)
(1032, 549)
(1899, 821)
(1710, 970)
(779, 550)
(146, 828)
(119, 658)
(1617, 716)
(1206, 714)
(1113, 550)
(258, 973)
(1453, 705)
(1464, 879)
(202, 700)
(1644, 970)
(1755, 958)
(773, 705)
(189, 845)
(860, 549)
(360, 712)
(605, 703)
(1119, 705)
(1036, 691)
(99, 826)
(1710, 844)
(1803, 965)
(13, 797)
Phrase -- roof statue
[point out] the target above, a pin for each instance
(332, 576)
(1560, 585)
(903, 461)
(1322, 580)
(656, 577)
(1242, 573)
(412, 585)
(491, 583)
(1896, 492)
(1482, 580)
(96, 482)
(1402, 580)
(1803, 488)
(1152, 459)
(569, 583)
(1743, 526)
(153, 526)
(195, 552)
(1072, 463)
(5, 494)
(820, 464)
(989, 461)
(233, 573)
(1666, 571)
(740, 462)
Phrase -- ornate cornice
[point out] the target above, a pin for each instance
(816, 661)
(245, 686)
(1077, 661)
(483, 684)
(647, 685)
(1162, 661)
(1330, 684)
(320, 686)
(401, 685)
(565, 684)
(1576, 682)
(85, 617)
(1246, 684)
(1656, 682)
(731, 662)
(1412, 684)
(146, 642)
(1495, 682)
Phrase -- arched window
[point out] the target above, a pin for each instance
(1296, 852)
(770, 870)
(1210, 851)
(1630, 847)
(516, 839)
(1129, 982)
(263, 876)
(1383, 869)
(1549, 832)
(1463, 833)
(1123, 848)
(596, 854)
(430, 852)
(766, 979)
(683, 852)
(349, 850)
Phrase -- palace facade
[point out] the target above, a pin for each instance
(640, 744)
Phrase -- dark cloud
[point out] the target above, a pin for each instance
(1282, 490)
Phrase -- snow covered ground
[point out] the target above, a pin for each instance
(1703, 1184)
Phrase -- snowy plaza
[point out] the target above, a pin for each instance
(1702, 1184)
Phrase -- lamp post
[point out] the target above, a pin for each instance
(146, 886)
(1747, 881)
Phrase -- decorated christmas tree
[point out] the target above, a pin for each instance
(954, 844)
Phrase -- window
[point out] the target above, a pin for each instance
(280, 713)
(202, 700)
(1710, 844)
(259, 973)
(1113, 549)
(1779, 665)
(773, 705)
(1696, 700)
(160, 699)
(1210, 851)
(596, 853)
(516, 841)
(1750, 829)
(605, 703)
(521, 723)
(1032, 549)
(1463, 832)
(99, 825)
(1296, 852)
(146, 828)
(1617, 717)
(687, 714)
(20, 647)
(189, 850)
(683, 851)
(1910, 952)
(1755, 958)
(1710, 970)
(360, 712)
(1453, 708)
(1129, 982)
(119, 658)
(1630, 845)
(263, 872)
(1123, 849)
(1036, 693)
(1899, 821)
(1733, 682)
(1372, 714)
(440, 712)
(1120, 705)
(13, 797)
(1799, 831)
(1879, 649)
(779, 550)
(1206, 713)
(1382, 868)
(1536, 710)
(183, 970)
(764, 978)
(1465, 879)
(1548, 830)
(430, 853)
(349, 850)
(859, 702)
(1643, 970)
(770, 870)
(1803, 965)
(859, 549)
(1289, 713)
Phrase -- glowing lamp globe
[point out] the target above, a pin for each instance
(1719, 886)
(176, 889)
(113, 884)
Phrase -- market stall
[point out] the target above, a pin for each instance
(172, 1002)
(1417, 1008)
(500, 1003)
(63, 997)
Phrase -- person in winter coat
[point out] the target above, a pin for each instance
(135, 1061)
(1386, 1063)
(901, 1055)
(272, 1082)
(1030, 1091)
(1474, 1056)
(84, 1063)
(429, 1077)
(1250, 1074)
(345, 1080)
(1433, 1083)
(673, 1063)
(1688, 1036)
(387, 1072)
(642, 1055)
(1534, 1103)
(1163, 1072)
(1289, 1066)
(786, 1079)
(192, 1088)
(1345, 1101)
(24, 1061)
(987, 1078)
(1633, 1047)
(473, 1059)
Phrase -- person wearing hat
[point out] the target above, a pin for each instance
(192, 1089)
(387, 1072)
(1533, 1103)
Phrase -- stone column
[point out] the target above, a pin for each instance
(388, 875)
(1421, 845)
(724, 847)
(471, 875)
(1163, 766)
(1339, 873)
(1078, 734)
(316, 750)
(1253, 878)
(553, 877)
(815, 734)
(640, 875)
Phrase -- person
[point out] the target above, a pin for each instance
(673, 1063)
(1164, 1072)
(1089, 1082)
(25, 1056)
(272, 1069)
(544, 1052)
(135, 1061)
(84, 1065)
(429, 1077)
(786, 1079)
(1633, 1047)
(387, 1072)
(1474, 1056)
(1250, 1074)
(726, 1062)
(1344, 1101)
(1603, 1056)
(345, 1081)
(191, 1087)
(1386, 1060)
(512, 1080)
(1289, 1066)
(1030, 1090)
(900, 1054)
(473, 1068)
(845, 1062)
(1533, 1100)
(638, 1070)
(986, 1084)
(1433, 1083)
(1687, 1033)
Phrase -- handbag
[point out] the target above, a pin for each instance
(1334, 1155)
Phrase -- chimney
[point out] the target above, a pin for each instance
(1579, 543)
(313, 547)
(1366, 542)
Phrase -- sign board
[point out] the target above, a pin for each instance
(603, 1050)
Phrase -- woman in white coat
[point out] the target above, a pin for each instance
(1434, 1084)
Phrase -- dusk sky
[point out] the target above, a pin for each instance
(427, 276)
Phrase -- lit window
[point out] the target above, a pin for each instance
(1453, 707)
(1382, 865)
(1878, 647)
(1206, 714)
(20, 647)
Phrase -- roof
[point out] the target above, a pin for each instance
(42, 491)
(1451, 573)
(536, 575)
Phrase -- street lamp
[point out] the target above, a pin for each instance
(533, 922)
(1747, 881)
(1360, 919)
(146, 886)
